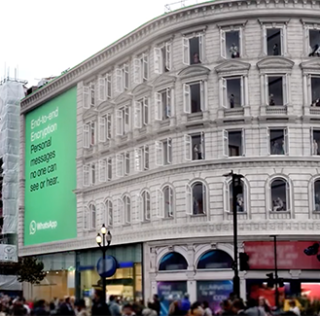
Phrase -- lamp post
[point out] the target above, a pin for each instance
(103, 239)
(236, 182)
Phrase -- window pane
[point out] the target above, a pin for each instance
(195, 98)
(317, 196)
(232, 44)
(275, 88)
(173, 261)
(235, 144)
(277, 142)
(198, 199)
(274, 42)
(197, 148)
(234, 92)
(279, 195)
(167, 192)
(194, 50)
(316, 143)
(315, 91)
(239, 198)
(314, 42)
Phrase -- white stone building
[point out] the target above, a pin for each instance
(166, 111)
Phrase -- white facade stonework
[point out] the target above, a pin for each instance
(115, 103)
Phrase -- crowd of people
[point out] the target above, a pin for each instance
(177, 307)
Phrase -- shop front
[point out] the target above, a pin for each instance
(298, 263)
(127, 281)
(59, 280)
(203, 271)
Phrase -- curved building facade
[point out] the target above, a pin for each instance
(165, 112)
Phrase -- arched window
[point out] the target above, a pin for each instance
(93, 216)
(165, 202)
(196, 198)
(215, 259)
(316, 194)
(108, 213)
(241, 197)
(173, 261)
(280, 195)
(127, 209)
(145, 206)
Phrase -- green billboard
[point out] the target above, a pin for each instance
(50, 170)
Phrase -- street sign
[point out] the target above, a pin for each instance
(111, 265)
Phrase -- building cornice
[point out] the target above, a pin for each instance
(169, 23)
(304, 230)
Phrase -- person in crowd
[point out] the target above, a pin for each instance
(41, 310)
(80, 306)
(294, 308)
(253, 309)
(195, 310)
(185, 303)
(238, 307)
(264, 305)
(52, 308)
(99, 307)
(25, 305)
(174, 308)
(114, 306)
(226, 308)
(66, 308)
(206, 308)
(127, 310)
(148, 311)
(156, 304)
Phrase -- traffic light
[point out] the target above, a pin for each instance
(270, 280)
(312, 250)
(244, 261)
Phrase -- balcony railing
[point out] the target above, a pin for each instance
(314, 110)
(276, 110)
(234, 112)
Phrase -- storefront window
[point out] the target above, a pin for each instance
(173, 261)
(215, 259)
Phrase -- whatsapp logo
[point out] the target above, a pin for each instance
(32, 227)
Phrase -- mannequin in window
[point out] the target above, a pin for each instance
(275, 50)
(315, 51)
(231, 101)
(196, 59)
(197, 152)
(271, 100)
(234, 52)
(278, 205)
(314, 147)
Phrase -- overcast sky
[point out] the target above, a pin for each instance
(44, 38)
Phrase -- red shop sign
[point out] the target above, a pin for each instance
(290, 255)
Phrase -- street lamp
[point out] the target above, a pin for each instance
(276, 270)
(236, 183)
(103, 240)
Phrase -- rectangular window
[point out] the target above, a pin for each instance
(163, 151)
(93, 133)
(231, 44)
(123, 164)
(315, 142)
(141, 158)
(122, 78)
(194, 147)
(315, 91)
(86, 175)
(194, 97)
(277, 90)
(108, 79)
(92, 93)
(163, 104)
(93, 174)
(141, 68)
(234, 143)
(109, 169)
(162, 58)
(232, 90)
(86, 136)
(314, 43)
(141, 113)
(193, 49)
(274, 41)
(278, 141)
(123, 120)
(102, 170)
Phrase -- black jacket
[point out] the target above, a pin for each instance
(100, 309)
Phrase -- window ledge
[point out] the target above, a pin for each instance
(172, 217)
(276, 110)
(279, 214)
(234, 112)
(197, 215)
